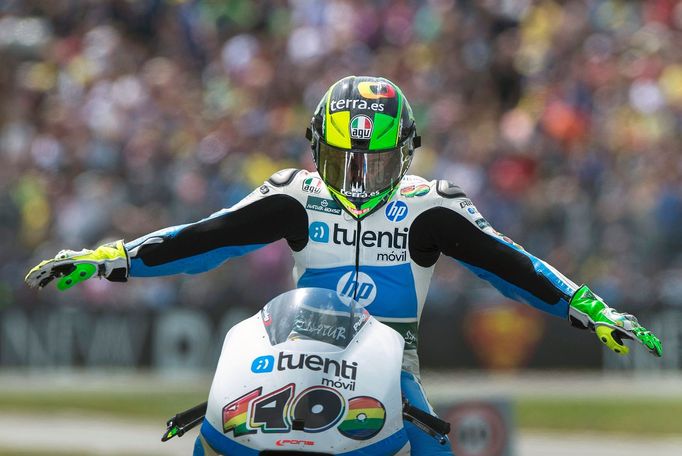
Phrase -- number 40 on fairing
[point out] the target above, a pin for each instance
(315, 409)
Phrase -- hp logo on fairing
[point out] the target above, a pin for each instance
(319, 232)
(396, 211)
(263, 364)
(358, 286)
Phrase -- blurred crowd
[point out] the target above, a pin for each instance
(562, 120)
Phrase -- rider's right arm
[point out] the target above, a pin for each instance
(264, 216)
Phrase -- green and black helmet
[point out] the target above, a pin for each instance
(363, 137)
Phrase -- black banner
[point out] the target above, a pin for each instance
(502, 336)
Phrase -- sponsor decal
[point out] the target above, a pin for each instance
(346, 104)
(357, 286)
(465, 203)
(264, 189)
(471, 210)
(482, 223)
(294, 442)
(396, 211)
(338, 369)
(355, 211)
(319, 232)
(312, 185)
(376, 90)
(410, 339)
(263, 364)
(415, 190)
(361, 319)
(409, 332)
(361, 127)
(509, 240)
(336, 383)
(396, 239)
(392, 256)
(358, 193)
(320, 330)
(328, 206)
(266, 316)
(365, 418)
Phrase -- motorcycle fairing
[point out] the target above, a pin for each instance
(368, 368)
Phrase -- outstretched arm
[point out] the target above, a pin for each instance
(266, 215)
(458, 230)
(256, 221)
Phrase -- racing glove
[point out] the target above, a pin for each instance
(587, 310)
(109, 261)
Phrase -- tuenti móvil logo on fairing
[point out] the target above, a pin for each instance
(263, 364)
(316, 363)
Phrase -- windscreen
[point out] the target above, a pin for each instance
(313, 314)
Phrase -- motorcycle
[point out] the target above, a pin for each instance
(310, 373)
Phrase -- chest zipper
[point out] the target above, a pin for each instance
(357, 260)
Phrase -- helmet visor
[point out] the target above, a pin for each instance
(361, 174)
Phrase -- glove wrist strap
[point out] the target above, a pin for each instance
(585, 308)
(116, 270)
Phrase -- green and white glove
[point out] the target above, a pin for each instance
(587, 310)
(109, 261)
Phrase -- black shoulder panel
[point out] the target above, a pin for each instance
(449, 190)
(283, 177)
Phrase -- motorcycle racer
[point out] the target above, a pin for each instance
(363, 227)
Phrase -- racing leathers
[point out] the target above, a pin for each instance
(385, 261)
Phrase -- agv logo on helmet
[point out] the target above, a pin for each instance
(361, 127)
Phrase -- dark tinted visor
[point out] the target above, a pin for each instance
(361, 173)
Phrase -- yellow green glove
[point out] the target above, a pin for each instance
(109, 261)
(587, 310)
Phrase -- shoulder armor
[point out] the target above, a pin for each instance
(449, 190)
(283, 177)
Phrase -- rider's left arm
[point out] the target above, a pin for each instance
(457, 229)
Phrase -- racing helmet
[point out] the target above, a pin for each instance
(363, 137)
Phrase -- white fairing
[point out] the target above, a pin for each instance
(369, 369)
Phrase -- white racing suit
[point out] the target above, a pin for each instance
(385, 261)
